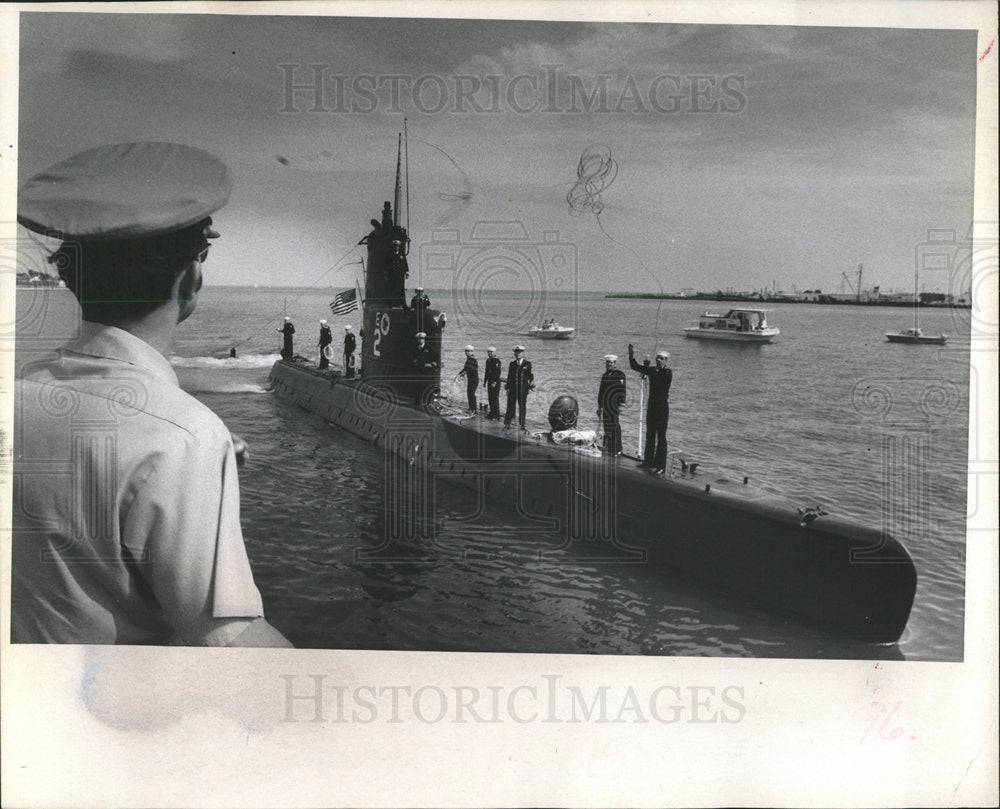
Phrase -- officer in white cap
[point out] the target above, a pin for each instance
(520, 380)
(658, 408)
(491, 378)
(610, 398)
(325, 341)
(153, 553)
(423, 357)
(471, 373)
(350, 343)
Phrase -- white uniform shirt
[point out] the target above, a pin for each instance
(126, 521)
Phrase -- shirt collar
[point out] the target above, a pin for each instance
(109, 342)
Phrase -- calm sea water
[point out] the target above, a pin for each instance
(830, 414)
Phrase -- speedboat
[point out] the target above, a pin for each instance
(915, 335)
(736, 325)
(550, 330)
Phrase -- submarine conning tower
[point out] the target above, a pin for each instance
(390, 360)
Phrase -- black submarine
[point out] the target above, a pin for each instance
(851, 579)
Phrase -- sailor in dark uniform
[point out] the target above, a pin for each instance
(520, 380)
(350, 343)
(287, 351)
(423, 356)
(491, 379)
(419, 300)
(419, 304)
(471, 373)
(610, 398)
(658, 409)
(325, 339)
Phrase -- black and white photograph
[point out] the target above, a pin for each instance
(482, 374)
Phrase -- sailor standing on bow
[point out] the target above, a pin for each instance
(325, 339)
(350, 344)
(520, 380)
(287, 351)
(492, 381)
(471, 373)
(610, 398)
(658, 409)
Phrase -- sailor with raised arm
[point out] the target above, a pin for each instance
(658, 408)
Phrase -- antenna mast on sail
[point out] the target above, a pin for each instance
(395, 200)
(406, 146)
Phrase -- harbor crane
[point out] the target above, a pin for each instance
(846, 279)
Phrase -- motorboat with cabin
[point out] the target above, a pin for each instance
(736, 325)
(550, 330)
(915, 334)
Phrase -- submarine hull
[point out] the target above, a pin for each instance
(851, 579)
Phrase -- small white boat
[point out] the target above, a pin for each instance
(550, 330)
(736, 325)
(915, 335)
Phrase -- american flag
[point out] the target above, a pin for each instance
(344, 302)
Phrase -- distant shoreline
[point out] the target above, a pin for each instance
(705, 298)
(757, 302)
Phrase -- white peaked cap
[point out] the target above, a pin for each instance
(469, 348)
(125, 191)
(611, 357)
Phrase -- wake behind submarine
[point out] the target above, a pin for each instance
(849, 578)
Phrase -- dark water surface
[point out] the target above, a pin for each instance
(830, 414)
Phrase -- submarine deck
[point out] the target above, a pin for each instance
(724, 531)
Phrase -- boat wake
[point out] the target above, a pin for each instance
(223, 374)
(201, 385)
(244, 361)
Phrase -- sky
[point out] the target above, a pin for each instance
(735, 157)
